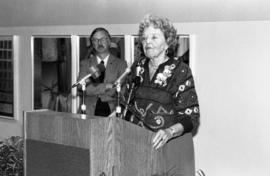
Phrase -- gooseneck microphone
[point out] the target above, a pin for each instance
(117, 85)
(95, 72)
(135, 82)
(120, 79)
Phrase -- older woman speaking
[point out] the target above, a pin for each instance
(165, 101)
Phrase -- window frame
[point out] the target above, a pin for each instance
(73, 57)
(14, 74)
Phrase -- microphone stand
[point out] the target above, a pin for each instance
(83, 105)
(118, 107)
(128, 100)
(135, 82)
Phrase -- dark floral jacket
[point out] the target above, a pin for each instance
(168, 98)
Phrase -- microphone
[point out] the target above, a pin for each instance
(135, 82)
(82, 80)
(95, 72)
(126, 72)
(117, 85)
(137, 79)
(138, 69)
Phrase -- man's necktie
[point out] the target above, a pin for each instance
(102, 74)
(102, 108)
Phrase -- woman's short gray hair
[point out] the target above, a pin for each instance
(163, 24)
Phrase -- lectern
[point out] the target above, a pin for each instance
(64, 144)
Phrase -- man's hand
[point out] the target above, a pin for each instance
(108, 86)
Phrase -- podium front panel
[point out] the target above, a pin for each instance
(50, 159)
(64, 143)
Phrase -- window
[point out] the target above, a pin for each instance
(52, 73)
(6, 77)
(56, 65)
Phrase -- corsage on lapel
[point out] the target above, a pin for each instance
(161, 78)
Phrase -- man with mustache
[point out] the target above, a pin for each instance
(100, 97)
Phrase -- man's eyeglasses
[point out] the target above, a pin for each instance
(102, 40)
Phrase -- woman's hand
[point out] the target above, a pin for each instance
(163, 136)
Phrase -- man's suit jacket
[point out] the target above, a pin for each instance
(114, 69)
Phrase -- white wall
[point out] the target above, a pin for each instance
(231, 74)
(84, 12)
(232, 69)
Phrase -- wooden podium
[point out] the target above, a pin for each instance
(64, 144)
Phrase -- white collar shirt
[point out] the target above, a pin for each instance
(105, 60)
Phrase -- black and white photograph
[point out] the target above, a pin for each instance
(134, 88)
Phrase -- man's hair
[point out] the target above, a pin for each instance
(98, 30)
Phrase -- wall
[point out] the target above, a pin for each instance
(83, 12)
(230, 69)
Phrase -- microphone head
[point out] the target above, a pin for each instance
(138, 70)
(128, 70)
(120, 79)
